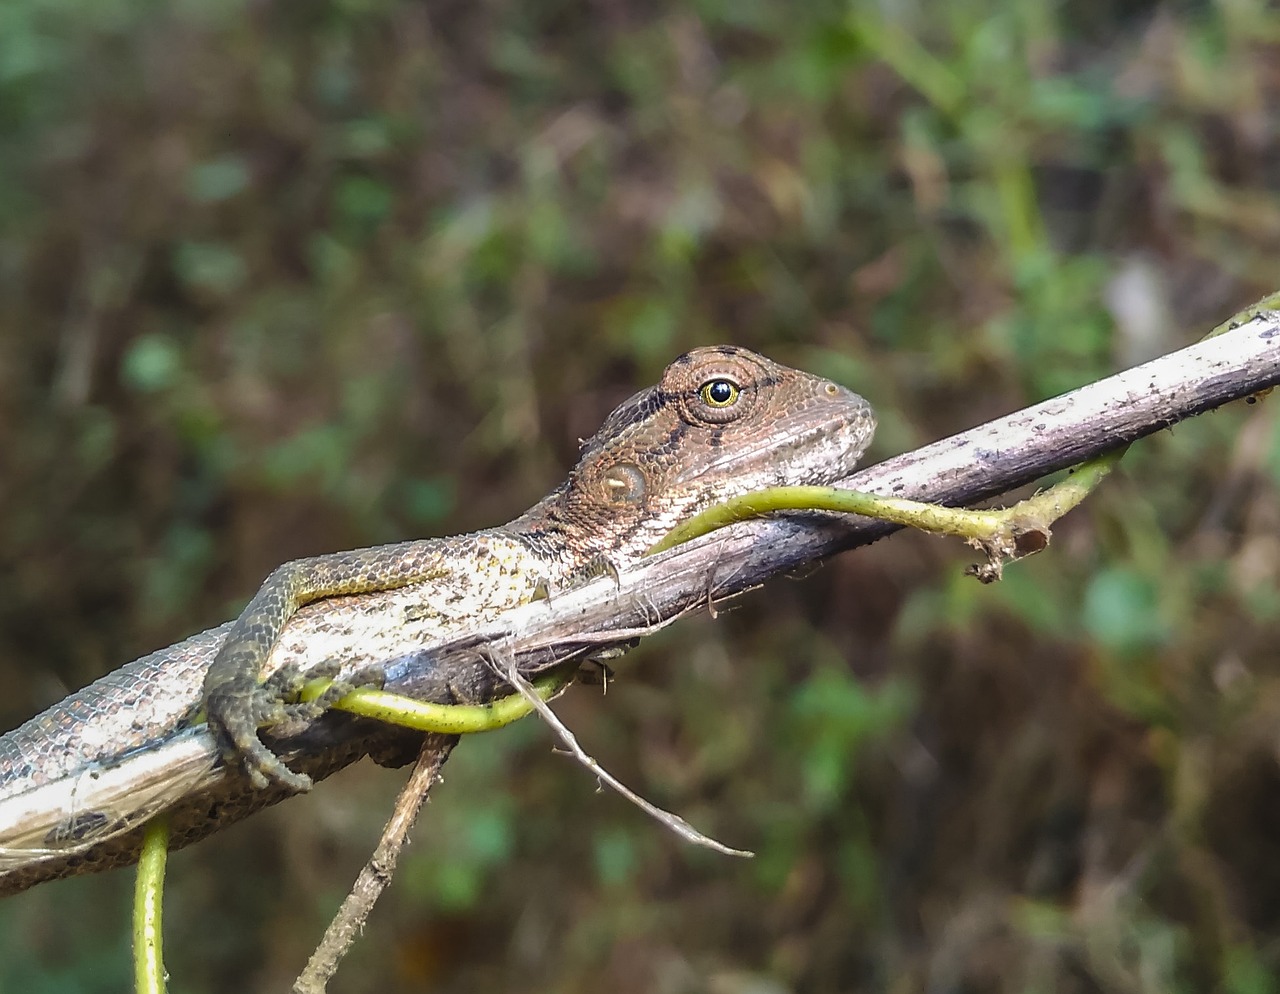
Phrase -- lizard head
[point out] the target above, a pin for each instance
(722, 421)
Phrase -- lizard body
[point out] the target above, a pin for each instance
(722, 421)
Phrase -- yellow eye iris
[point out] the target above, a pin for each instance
(719, 393)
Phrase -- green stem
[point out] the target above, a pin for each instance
(979, 526)
(449, 719)
(148, 896)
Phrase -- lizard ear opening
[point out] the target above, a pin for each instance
(608, 487)
(624, 483)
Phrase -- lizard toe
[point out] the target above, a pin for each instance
(264, 768)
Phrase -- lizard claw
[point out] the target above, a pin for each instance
(264, 768)
(236, 713)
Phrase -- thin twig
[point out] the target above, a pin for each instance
(376, 875)
(506, 667)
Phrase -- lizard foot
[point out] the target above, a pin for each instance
(240, 712)
(236, 711)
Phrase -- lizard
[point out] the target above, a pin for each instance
(721, 421)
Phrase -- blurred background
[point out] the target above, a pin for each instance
(281, 278)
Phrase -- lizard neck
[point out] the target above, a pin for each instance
(558, 533)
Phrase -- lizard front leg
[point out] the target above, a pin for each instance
(238, 702)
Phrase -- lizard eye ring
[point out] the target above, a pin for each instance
(714, 387)
(719, 393)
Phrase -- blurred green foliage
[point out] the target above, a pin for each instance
(281, 278)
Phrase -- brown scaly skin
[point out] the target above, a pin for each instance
(722, 421)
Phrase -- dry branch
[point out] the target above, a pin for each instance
(180, 773)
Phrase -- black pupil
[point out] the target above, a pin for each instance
(720, 391)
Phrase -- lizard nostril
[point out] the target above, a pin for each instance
(831, 389)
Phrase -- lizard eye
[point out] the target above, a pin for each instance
(715, 387)
(719, 393)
